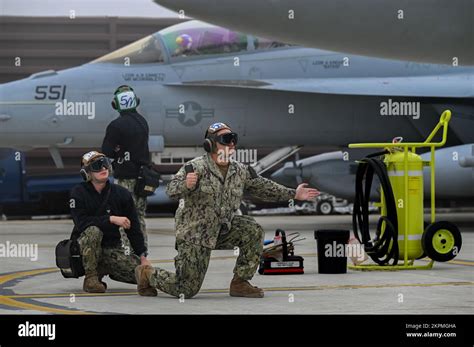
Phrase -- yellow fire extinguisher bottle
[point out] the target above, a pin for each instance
(413, 202)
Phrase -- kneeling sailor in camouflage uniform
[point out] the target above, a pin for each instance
(99, 210)
(210, 190)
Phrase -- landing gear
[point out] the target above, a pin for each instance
(325, 207)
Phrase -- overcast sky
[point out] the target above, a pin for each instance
(86, 8)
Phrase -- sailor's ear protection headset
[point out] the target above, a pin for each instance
(116, 102)
(84, 174)
(209, 145)
(209, 138)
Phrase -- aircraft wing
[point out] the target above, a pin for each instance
(455, 86)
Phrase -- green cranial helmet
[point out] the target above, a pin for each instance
(125, 99)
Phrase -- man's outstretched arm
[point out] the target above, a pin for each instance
(267, 190)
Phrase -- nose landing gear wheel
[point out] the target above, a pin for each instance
(441, 241)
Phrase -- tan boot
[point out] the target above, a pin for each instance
(100, 280)
(92, 284)
(143, 274)
(242, 288)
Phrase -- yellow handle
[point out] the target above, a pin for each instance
(445, 117)
(443, 122)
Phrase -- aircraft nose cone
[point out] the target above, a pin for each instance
(175, 5)
(194, 7)
(228, 14)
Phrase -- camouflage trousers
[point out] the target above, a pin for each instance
(192, 260)
(114, 262)
(140, 203)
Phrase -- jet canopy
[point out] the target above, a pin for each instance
(195, 38)
(145, 51)
(187, 40)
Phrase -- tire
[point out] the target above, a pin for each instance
(441, 241)
(325, 207)
(425, 225)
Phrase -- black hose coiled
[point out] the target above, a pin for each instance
(384, 247)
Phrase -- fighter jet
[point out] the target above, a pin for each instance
(273, 94)
(429, 31)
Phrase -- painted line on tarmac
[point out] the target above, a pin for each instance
(455, 262)
(9, 301)
(14, 301)
(268, 289)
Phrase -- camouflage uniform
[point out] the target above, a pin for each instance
(206, 220)
(140, 203)
(107, 261)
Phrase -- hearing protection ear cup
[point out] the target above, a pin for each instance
(138, 100)
(85, 175)
(114, 105)
(208, 145)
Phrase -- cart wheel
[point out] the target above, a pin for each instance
(441, 241)
(425, 225)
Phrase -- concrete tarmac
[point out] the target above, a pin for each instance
(35, 286)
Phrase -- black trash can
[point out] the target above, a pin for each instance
(332, 256)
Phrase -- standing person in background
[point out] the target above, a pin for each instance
(126, 142)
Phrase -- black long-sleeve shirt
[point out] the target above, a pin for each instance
(129, 133)
(84, 210)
